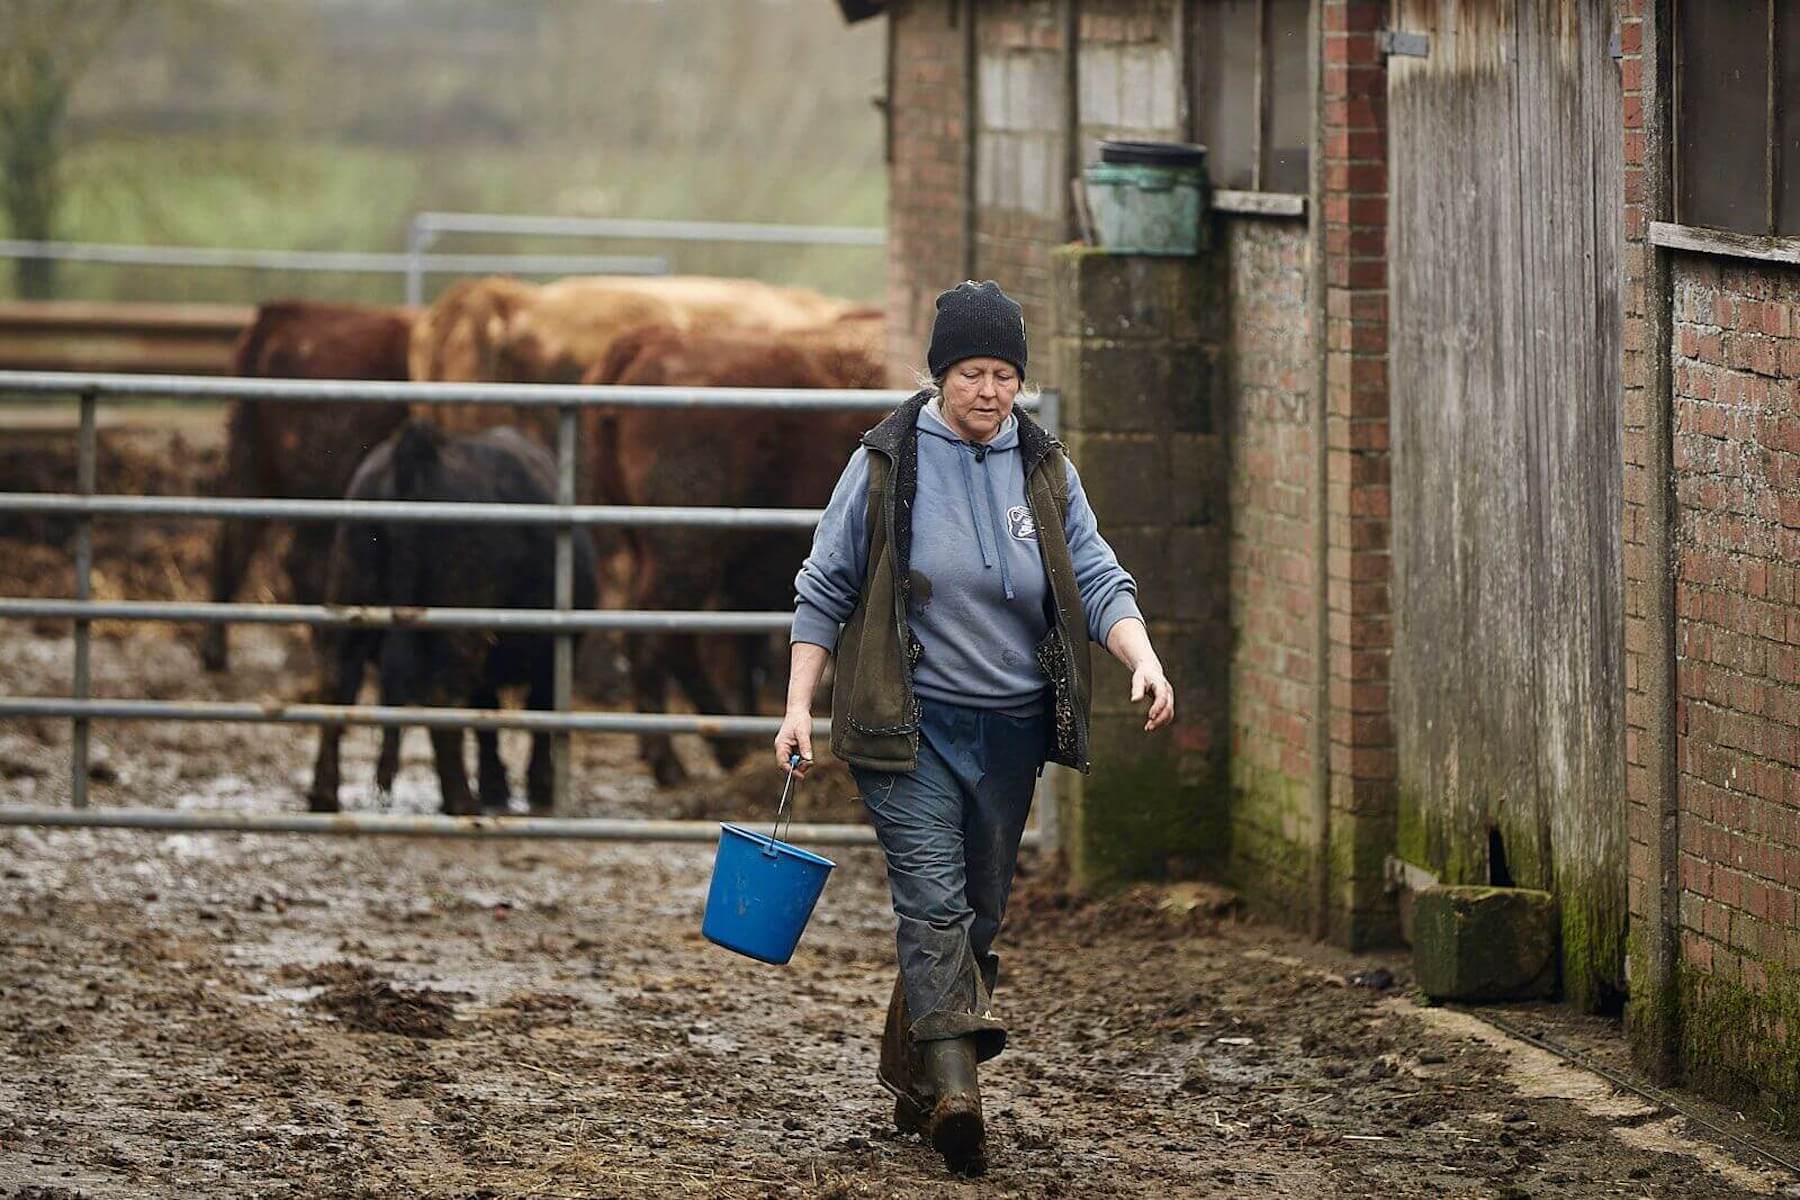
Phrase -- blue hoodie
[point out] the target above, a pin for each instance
(978, 584)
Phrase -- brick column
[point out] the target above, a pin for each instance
(1359, 634)
(927, 173)
(1135, 354)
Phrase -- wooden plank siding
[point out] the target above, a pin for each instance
(1505, 185)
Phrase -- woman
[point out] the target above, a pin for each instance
(961, 560)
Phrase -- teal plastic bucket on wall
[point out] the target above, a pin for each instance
(1148, 197)
(762, 895)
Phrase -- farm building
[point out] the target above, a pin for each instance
(1461, 469)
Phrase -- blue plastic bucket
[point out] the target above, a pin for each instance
(763, 892)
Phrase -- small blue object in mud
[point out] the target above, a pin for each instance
(763, 892)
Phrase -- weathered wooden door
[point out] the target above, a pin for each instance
(1504, 219)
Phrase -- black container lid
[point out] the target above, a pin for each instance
(1153, 154)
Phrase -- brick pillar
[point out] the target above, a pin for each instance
(927, 175)
(1135, 354)
(1359, 642)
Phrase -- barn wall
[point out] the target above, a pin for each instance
(1508, 693)
(1252, 750)
(1711, 526)
(1130, 73)
(1735, 356)
(1027, 94)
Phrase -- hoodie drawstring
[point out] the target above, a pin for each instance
(979, 453)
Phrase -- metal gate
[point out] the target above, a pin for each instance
(564, 515)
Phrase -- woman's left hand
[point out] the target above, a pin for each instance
(1148, 680)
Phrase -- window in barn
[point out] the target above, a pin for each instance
(1737, 115)
(1252, 93)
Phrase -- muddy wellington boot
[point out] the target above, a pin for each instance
(955, 1125)
(902, 1069)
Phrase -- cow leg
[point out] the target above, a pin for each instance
(236, 541)
(307, 567)
(388, 765)
(343, 679)
(649, 686)
(232, 548)
(684, 662)
(490, 771)
(452, 772)
(540, 774)
(747, 679)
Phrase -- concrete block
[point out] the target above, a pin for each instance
(1124, 388)
(1196, 389)
(1118, 296)
(1145, 551)
(1135, 817)
(1485, 943)
(1198, 575)
(1126, 478)
(1198, 487)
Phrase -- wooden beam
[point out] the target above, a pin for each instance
(1671, 236)
(1260, 204)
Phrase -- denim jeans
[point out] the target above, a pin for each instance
(950, 832)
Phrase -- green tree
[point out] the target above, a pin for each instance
(45, 48)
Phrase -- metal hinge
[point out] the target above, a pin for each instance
(1407, 45)
(1614, 46)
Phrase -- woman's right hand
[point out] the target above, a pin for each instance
(794, 738)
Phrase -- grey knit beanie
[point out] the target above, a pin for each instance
(976, 320)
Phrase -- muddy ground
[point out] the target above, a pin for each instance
(265, 1016)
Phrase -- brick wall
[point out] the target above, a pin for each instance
(1711, 525)
(926, 174)
(1268, 371)
(1360, 633)
(1735, 375)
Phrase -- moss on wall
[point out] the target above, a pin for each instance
(1136, 819)
(1744, 1046)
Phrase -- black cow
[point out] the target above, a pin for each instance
(448, 566)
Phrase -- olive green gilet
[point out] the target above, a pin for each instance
(874, 714)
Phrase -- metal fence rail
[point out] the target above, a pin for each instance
(608, 829)
(561, 621)
(123, 388)
(275, 712)
(328, 616)
(416, 512)
(337, 262)
(426, 227)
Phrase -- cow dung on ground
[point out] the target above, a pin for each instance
(364, 1001)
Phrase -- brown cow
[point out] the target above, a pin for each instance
(502, 330)
(296, 449)
(728, 458)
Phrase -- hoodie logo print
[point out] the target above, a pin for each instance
(1018, 517)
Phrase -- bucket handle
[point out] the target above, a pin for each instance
(793, 762)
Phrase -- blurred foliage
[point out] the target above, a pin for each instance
(324, 124)
(46, 46)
